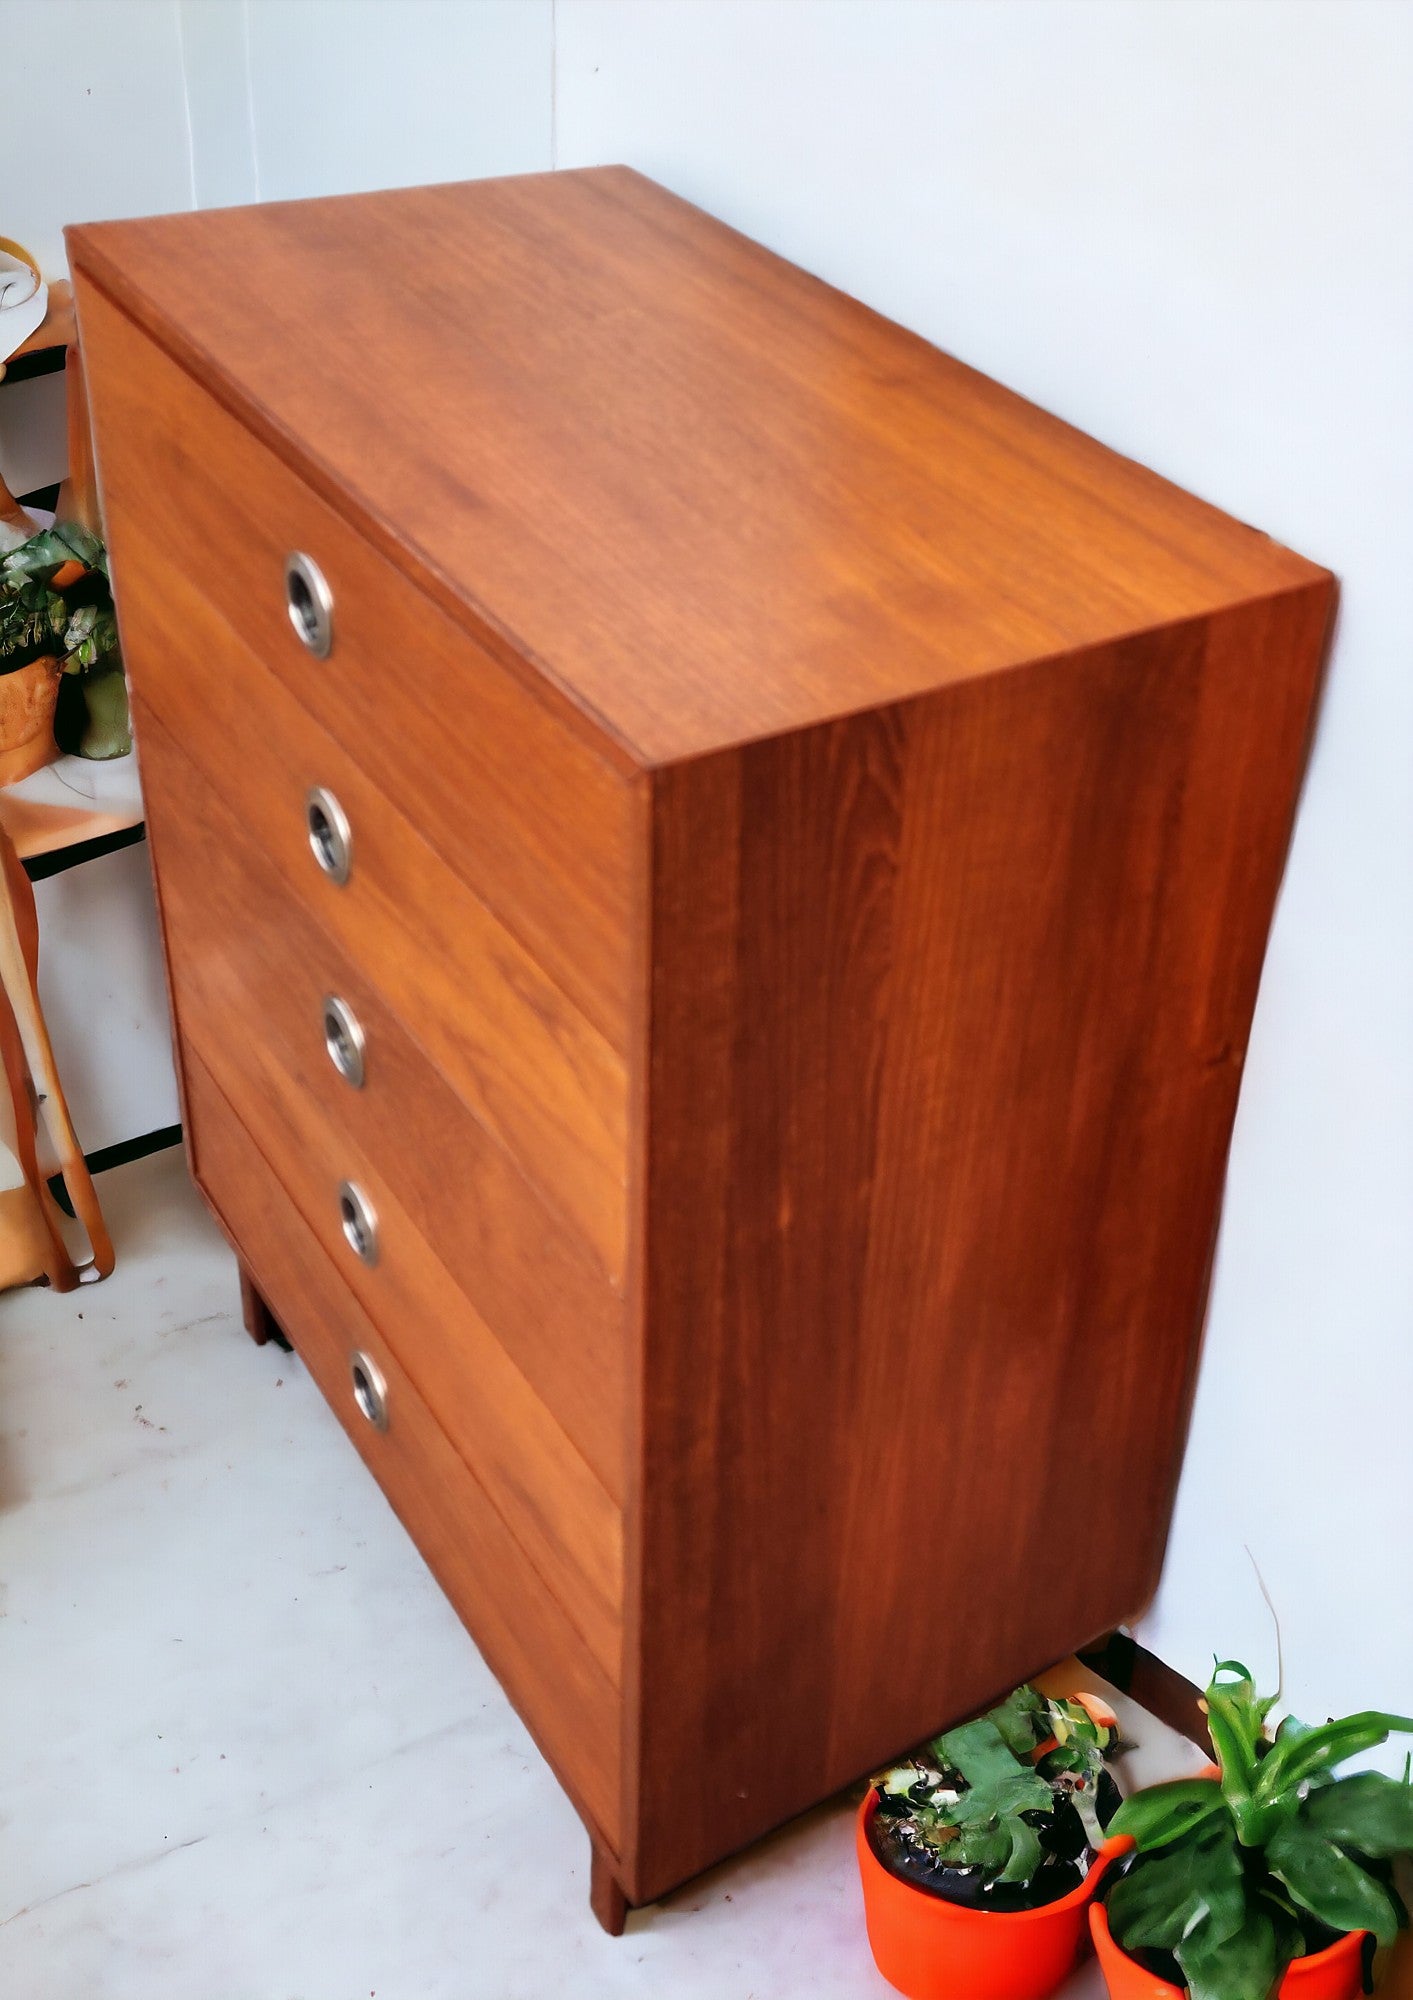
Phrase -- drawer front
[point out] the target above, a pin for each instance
(560, 1516)
(495, 775)
(557, 1508)
(536, 1074)
(567, 1700)
(253, 976)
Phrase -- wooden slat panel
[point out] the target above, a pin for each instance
(567, 1700)
(950, 1006)
(251, 964)
(540, 827)
(537, 1075)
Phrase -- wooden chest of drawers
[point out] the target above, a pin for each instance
(713, 914)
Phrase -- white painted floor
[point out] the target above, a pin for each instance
(246, 1750)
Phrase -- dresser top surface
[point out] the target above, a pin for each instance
(710, 497)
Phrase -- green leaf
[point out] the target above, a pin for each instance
(1008, 1792)
(1329, 1884)
(1026, 1851)
(1085, 1800)
(1014, 1720)
(1307, 1752)
(1070, 1722)
(1367, 1811)
(978, 1750)
(1164, 1897)
(1240, 1967)
(987, 1845)
(1236, 1719)
(84, 546)
(1235, 1686)
(1164, 1813)
(1290, 1727)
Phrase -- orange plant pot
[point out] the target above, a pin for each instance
(931, 1949)
(27, 701)
(1333, 1974)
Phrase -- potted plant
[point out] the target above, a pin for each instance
(1264, 1875)
(56, 616)
(978, 1853)
(32, 620)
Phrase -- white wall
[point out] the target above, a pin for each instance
(104, 998)
(133, 107)
(92, 117)
(1187, 228)
(1186, 225)
(335, 96)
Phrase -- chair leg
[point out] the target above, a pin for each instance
(19, 966)
(32, 1246)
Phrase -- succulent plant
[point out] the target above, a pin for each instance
(1002, 1795)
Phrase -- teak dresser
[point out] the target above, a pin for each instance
(715, 866)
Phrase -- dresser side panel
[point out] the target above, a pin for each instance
(949, 1006)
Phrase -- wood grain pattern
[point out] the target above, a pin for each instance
(822, 828)
(706, 495)
(924, 1289)
(537, 824)
(568, 1703)
(251, 956)
(539, 1078)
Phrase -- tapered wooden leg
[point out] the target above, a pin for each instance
(32, 1077)
(260, 1322)
(606, 1897)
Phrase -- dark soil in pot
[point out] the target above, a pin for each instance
(1067, 1858)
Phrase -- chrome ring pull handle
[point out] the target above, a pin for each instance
(330, 835)
(360, 1222)
(370, 1389)
(310, 603)
(344, 1039)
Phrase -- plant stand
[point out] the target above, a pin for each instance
(31, 1243)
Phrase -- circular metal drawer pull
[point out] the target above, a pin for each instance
(330, 835)
(310, 603)
(360, 1224)
(370, 1390)
(344, 1039)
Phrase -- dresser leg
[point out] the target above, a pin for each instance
(606, 1897)
(260, 1322)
